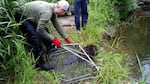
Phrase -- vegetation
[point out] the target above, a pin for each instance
(16, 63)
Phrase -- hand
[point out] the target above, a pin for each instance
(67, 40)
(57, 42)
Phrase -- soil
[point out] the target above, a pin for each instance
(67, 22)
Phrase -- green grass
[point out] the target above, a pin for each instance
(113, 70)
(16, 64)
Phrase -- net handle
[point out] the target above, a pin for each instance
(90, 61)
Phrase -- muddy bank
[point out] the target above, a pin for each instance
(67, 22)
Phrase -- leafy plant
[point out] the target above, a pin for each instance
(16, 64)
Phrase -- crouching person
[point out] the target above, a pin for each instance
(36, 15)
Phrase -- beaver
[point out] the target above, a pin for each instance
(91, 50)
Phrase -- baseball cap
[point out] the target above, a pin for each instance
(63, 4)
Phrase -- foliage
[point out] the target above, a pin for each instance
(45, 77)
(16, 64)
(125, 8)
(114, 68)
(103, 12)
(109, 12)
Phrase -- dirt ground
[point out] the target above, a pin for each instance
(67, 22)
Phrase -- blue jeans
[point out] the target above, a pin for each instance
(80, 7)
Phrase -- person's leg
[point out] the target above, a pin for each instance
(48, 44)
(77, 13)
(84, 12)
(29, 29)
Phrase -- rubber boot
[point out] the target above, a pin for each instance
(45, 67)
(41, 65)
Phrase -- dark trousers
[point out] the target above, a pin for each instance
(28, 28)
(80, 7)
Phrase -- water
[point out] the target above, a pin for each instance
(136, 41)
(137, 37)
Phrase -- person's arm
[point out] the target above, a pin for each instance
(59, 28)
(41, 30)
(41, 27)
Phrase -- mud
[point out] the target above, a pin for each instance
(67, 22)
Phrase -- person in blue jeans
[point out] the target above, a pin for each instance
(80, 8)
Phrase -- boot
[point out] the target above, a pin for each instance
(41, 63)
(45, 67)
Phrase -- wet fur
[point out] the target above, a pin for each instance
(91, 50)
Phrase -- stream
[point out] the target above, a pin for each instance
(136, 41)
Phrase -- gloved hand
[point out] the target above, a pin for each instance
(57, 42)
(67, 40)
